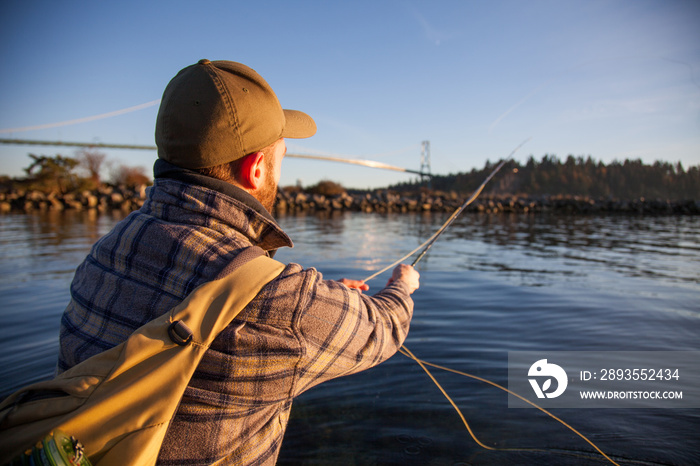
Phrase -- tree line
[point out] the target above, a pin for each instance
(575, 176)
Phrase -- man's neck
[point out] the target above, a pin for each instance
(163, 169)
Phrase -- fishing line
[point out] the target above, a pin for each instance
(296, 147)
(406, 352)
(364, 163)
(423, 364)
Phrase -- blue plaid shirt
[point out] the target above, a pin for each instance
(299, 331)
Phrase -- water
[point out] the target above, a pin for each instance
(491, 284)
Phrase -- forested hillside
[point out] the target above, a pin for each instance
(576, 176)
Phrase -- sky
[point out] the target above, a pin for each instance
(612, 79)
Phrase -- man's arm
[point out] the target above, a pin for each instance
(344, 331)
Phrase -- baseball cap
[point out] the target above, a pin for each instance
(214, 112)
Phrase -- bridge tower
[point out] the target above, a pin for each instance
(425, 163)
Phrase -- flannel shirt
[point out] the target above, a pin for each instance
(298, 332)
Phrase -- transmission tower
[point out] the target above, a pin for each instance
(425, 163)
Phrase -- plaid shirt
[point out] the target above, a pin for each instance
(299, 331)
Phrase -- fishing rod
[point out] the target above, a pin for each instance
(430, 241)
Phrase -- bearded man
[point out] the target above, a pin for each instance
(220, 134)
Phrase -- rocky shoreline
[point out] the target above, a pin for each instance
(384, 202)
(108, 198)
(105, 198)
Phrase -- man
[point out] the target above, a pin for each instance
(220, 133)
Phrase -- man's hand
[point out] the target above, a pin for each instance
(355, 284)
(408, 275)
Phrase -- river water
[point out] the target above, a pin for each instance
(492, 284)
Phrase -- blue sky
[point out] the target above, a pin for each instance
(610, 79)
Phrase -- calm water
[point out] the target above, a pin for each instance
(492, 284)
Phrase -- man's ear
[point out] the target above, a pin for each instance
(252, 170)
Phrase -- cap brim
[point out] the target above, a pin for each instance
(298, 125)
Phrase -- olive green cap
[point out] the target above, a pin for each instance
(215, 112)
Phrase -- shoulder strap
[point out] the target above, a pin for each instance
(225, 296)
(121, 401)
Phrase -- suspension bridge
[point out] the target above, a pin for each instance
(424, 172)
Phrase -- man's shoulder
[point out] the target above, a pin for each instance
(280, 302)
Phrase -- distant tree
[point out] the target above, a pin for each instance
(129, 176)
(6, 183)
(292, 189)
(52, 174)
(326, 188)
(92, 160)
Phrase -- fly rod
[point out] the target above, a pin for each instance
(430, 241)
